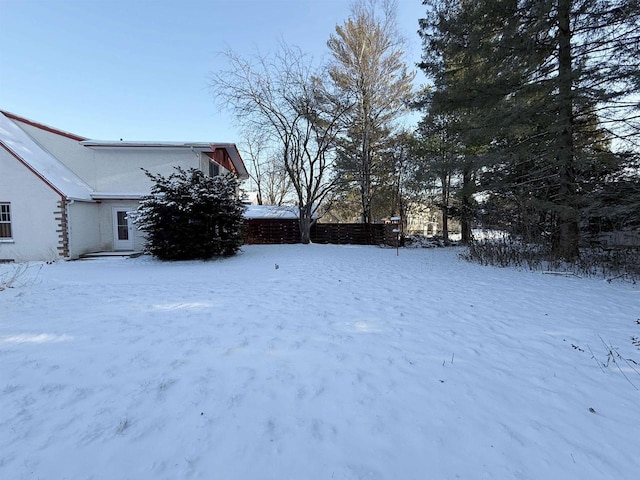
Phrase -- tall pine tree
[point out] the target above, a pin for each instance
(368, 66)
(537, 85)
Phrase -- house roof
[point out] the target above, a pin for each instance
(48, 168)
(59, 177)
(42, 126)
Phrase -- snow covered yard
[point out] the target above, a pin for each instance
(344, 362)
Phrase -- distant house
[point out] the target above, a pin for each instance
(62, 195)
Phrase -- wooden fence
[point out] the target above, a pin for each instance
(280, 231)
(271, 231)
(354, 233)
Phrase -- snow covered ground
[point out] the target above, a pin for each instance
(316, 362)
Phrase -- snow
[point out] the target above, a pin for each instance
(316, 362)
(283, 212)
(41, 161)
(271, 211)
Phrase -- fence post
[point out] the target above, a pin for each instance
(397, 230)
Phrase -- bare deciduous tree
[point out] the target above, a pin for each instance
(266, 169)
(283, 96)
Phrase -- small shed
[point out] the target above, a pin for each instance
(270, 224)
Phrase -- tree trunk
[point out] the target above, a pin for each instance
(366, 203)
(365, 186)
(445, 209)
(259, 197)
(445, 224)
(305, 225)
(567, 244)
(465, 211)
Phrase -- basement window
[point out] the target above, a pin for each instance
(5, 220)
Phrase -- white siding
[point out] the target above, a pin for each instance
(76, 157)
(33, 204)
(204, 165)
(114, 169)
(84, 235)
(119, 170)
(107, 170)
(105, 220)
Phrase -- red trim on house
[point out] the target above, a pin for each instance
(21, 160)
(43, 127)
(221, 157)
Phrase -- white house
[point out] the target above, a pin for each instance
(62, 195)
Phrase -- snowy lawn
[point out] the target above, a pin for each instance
(344, 362)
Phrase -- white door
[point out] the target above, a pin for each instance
(122, 230)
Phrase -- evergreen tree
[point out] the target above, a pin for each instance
(367, 66)
(189, 215)
(437, 152)
(538, 85)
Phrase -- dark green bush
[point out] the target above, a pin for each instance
(189, 215)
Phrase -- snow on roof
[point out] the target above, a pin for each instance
(41, 162)
(288, 212)
(271, 211)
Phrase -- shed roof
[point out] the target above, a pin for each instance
(273, 212)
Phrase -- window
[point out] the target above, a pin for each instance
(214, 169)
(5, 220)
(122, 225)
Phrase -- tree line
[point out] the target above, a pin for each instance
(529, 123)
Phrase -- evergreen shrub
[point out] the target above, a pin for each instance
(189, 215)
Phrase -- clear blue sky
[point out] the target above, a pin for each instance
(139, 69)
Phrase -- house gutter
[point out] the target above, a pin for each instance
(98, 196)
